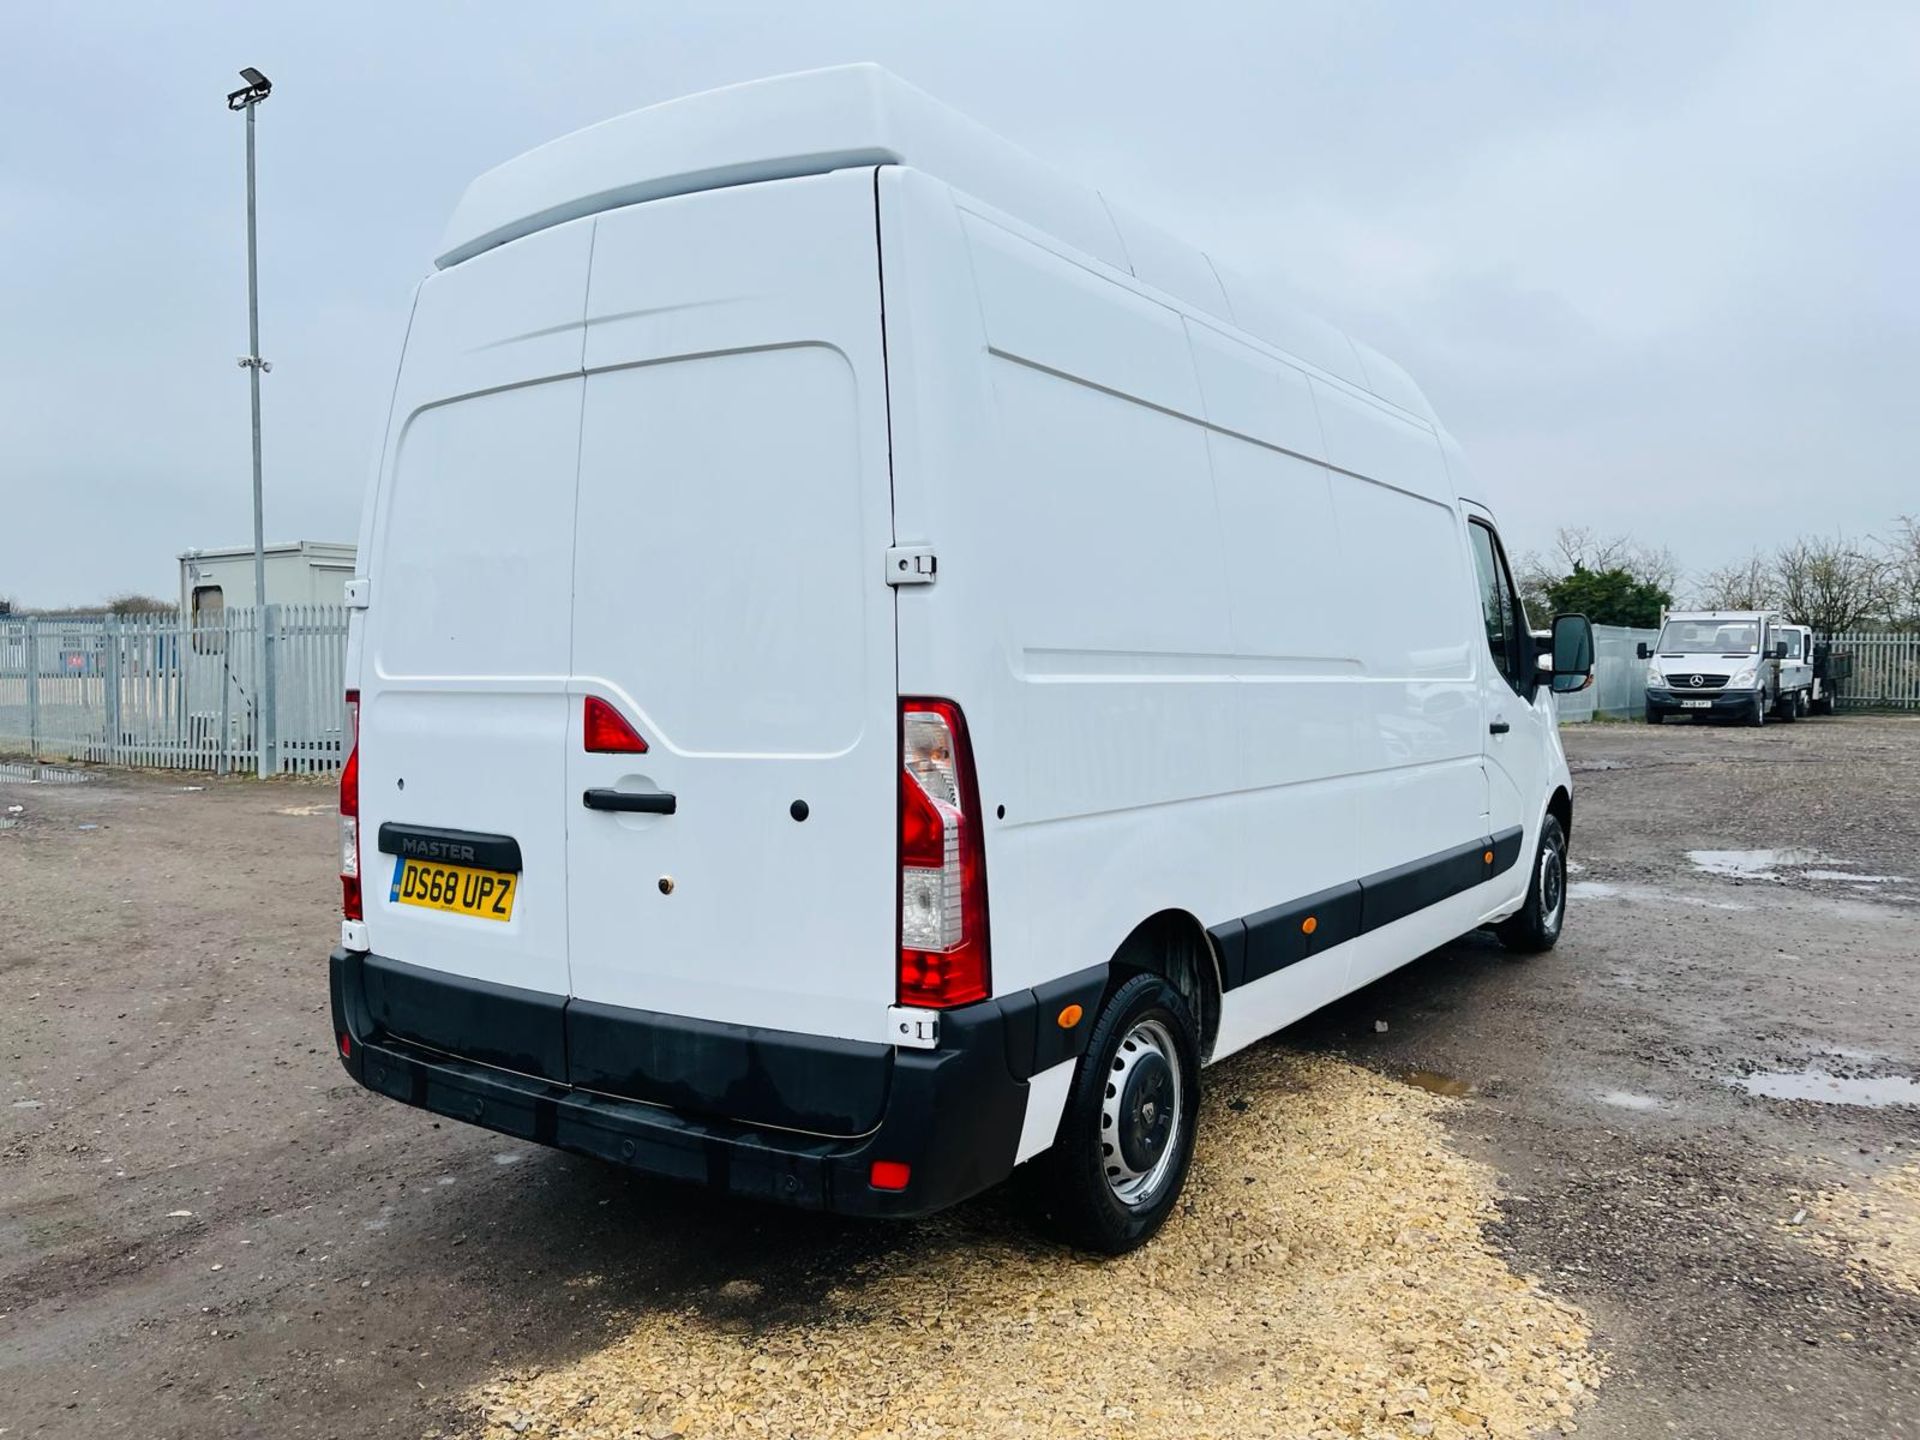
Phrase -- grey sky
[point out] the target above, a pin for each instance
(1656, 265)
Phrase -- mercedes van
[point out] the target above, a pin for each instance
(872, 665)
(1743, 665)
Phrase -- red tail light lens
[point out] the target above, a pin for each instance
(607, 731)
(943, 867)
(889, 1174)
(350, 816)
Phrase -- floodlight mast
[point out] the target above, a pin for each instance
(257, 88)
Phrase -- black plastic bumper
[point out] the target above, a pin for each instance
(953, 1115)
(1727, 702)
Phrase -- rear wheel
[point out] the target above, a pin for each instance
(1536, 925)
(1116, 1169)
(1788, 709)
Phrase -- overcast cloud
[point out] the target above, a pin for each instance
(1656, 265)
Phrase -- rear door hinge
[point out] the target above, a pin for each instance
(359, 594)
(912, 565)
(912, 1028)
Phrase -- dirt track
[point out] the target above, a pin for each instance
(348, 1267)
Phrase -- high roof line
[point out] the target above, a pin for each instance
(817, 121)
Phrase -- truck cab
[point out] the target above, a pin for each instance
(1729, 664)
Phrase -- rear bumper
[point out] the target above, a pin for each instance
(1724, 702)
(953, 1115)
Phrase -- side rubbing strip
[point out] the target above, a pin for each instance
(1397, 893)
(1284, 935)
(1506, 850)
(1230, 940)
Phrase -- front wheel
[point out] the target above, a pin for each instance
(1653, 716)
(1759, 716)
(1536, 925)
(1126, 1139)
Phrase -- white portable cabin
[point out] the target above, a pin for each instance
(302, 572)
(803, 421)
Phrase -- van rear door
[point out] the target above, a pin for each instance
(463, 676)
(729, 605)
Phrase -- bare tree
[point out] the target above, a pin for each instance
(1834, 584)
(1904, 553)
(1749, 584)
(1580, 547)
(1532, 575)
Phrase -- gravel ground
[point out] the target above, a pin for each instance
(206, 1231)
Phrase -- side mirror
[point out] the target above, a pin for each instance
(1572, 653)
(1780, 650)
(1643, 651)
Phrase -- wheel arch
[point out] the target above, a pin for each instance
(1560, 806)
(1176, 946)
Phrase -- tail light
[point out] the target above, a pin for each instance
(606, 731)
(350, 817)
(943, 866)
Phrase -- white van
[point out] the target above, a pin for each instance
(1743, 664)
(873, 666)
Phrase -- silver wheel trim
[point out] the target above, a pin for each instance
(1552, 881)
(1134, 1188)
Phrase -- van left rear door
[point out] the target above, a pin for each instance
(463, 676)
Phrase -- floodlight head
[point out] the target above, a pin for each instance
(257, 88)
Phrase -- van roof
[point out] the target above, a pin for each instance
(854, 115)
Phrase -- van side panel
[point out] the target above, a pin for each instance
(1278, 702)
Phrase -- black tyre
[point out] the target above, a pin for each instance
(1653, 716)
(1125, 1142)
(1759, 715)
(1788, 709)
(1536, 925)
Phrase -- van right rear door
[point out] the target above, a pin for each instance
(734, 510)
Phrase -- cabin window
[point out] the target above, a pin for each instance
(1499, 605)
(209, 616)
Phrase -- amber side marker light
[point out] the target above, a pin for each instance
(1488, 857)
(1069, 1017)
(1309, 925)
(889, 1175)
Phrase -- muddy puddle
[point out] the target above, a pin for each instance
(1758, 864)
(1786, 862)
(1609, 890)
(16, 774)
(1627, 1100)
(1823, 1087)
(1434, 1082)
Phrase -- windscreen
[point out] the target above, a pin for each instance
(1710, 637)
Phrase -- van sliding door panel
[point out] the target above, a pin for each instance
(1420, 787)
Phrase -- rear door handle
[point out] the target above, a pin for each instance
(649, 802)
(1498, 727)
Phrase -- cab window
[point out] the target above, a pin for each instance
(1500, 610)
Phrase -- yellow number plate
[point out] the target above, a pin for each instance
(461, 889)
